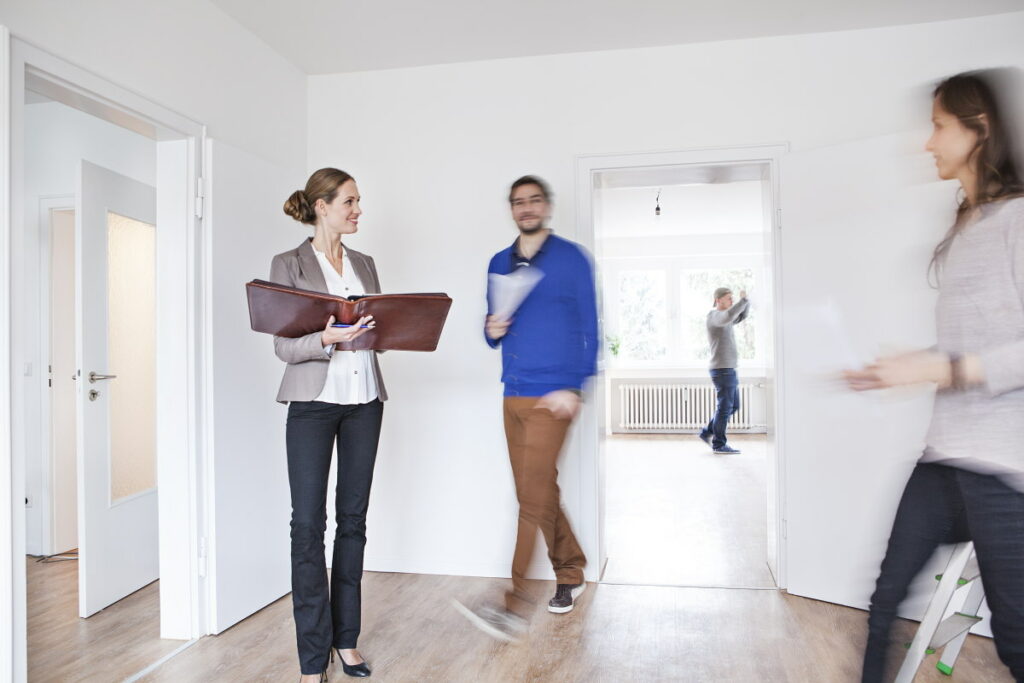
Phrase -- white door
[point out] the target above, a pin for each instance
(859, 223)
(116, 349)
(249, 555)
(766, 312)
(63, 384)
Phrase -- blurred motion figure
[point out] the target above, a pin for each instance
(969, 482)
(548, 351)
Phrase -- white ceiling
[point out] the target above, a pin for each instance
(332, 36)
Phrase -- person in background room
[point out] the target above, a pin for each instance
(724, 358)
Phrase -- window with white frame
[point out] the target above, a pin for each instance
(658, 318)
(696, 289)
(643, 315)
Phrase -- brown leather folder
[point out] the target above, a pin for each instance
(404, 322)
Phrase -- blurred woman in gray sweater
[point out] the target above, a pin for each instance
(969, 483)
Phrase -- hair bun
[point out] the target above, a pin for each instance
(297, 206)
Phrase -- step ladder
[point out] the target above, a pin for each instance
(951, 632)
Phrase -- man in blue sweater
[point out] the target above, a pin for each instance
(548, 350)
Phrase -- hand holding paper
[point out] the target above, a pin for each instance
(507, 292)
(496, 328)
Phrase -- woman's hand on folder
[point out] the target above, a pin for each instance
(334, 335)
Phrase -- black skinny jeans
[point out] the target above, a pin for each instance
(329, 618)
(943, 504)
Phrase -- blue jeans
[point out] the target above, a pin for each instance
(943, 504)
(727, 395)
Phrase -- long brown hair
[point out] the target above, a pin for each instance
(323, 184)
(978, 100)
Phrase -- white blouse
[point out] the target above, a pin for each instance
(350, 378)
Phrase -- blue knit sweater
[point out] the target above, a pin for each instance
(552, 342)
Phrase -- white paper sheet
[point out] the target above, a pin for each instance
(507, 292)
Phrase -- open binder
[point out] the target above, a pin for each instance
(404, 322)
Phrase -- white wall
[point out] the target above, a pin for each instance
(186, 55)
(248, 474)
(686, 210)
(434, 149)
(57, 138)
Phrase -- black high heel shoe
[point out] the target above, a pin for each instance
(355, 670)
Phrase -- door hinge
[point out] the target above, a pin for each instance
(778, 218)
(201, 561)
(200, 196)
(49, 379)
(785, 528)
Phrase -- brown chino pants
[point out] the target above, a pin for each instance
(535, 439)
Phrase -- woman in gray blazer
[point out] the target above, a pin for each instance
(333, 396)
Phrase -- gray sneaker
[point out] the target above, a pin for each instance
(565, 597)
(727, 450)
(496, 622)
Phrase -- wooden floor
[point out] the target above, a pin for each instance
(411, 633)
(679, 515)
(618, 633)
(108, 646)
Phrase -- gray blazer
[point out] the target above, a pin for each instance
(306, 371)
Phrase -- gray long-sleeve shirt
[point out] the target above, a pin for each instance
(720, 334)
(981, 310)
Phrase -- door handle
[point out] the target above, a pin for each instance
(95, 377)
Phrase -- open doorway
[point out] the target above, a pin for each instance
(104, 283)
(666, 235)
(92, 534)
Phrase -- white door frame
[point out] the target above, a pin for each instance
(180, 363)
(591, 469)
(11, 611)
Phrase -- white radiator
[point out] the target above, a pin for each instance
(670, 407)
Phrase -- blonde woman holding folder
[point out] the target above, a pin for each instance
(333, 396)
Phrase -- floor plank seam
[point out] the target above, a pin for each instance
(160, 662)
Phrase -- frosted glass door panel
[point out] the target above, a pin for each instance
(131, 334)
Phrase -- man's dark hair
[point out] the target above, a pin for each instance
(530, 180)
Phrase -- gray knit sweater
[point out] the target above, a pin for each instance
(981, 309)
(721, 337)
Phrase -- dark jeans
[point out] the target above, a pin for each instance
(727, 395)
(324, 619)
(944, 504)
